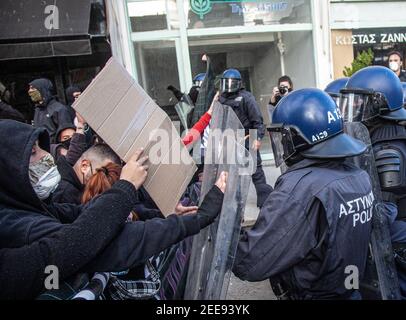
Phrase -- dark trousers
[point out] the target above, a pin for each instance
(262, 188)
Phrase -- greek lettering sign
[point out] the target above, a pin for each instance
(372, 37)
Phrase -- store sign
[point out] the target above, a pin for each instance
(371, 38)
(203, 7)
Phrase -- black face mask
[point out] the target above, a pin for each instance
(66, 144)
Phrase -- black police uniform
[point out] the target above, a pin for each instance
(315, 224)
(389, 143)
(248, 112)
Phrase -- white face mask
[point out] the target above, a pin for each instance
(394, 66)
(47, 183)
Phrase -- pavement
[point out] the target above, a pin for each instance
(243, 290)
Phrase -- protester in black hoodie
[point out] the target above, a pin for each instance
(72, 93)
(49, 113)
(43, 232)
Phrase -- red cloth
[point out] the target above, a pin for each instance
(197, 130)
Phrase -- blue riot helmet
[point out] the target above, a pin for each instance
(370, 93)
(308, 124)
(333, 89)
(198, 80)
(404, 93)
(231, 81)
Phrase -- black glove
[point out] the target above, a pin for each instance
(210, 207)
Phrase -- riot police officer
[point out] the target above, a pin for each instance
(334, 87)
(247, 110)
(317, 221)
(198, 80)
(193, 92)
(374, 96)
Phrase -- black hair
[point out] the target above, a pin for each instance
(397, 53)
(285, 79)
(101, 152)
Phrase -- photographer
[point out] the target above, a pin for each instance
(285, 86)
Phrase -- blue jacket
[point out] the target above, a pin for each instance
(314, 224)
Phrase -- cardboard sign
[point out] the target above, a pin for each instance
(127, 119)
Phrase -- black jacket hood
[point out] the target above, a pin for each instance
(69, 93)
(16, 146)
(45, 87)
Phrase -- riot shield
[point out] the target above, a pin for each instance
(380, 281)
(205, 96)
(184, 109)
(214, 248)
(276, 144)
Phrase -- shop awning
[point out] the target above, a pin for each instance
(47, 28)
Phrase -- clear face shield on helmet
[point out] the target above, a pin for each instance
(358, 105)
(230, 85)
(336, 98)
(286, 142)
(198, 83)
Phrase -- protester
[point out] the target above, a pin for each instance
(395, 61)
(28, 221)
(248, 112)
(7, 111)
(72, 94)
(49, 113)
(285, 86)
(303, 239)
(73, 178)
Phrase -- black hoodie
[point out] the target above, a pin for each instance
(70, 99)
(51, 113)
(85, 233)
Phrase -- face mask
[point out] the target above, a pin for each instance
(38, 169)
(394, 66)
(35, 96)
(66, 144)
(48, 183)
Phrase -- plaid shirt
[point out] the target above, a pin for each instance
(135, 289)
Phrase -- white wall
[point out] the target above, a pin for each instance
(367, 14)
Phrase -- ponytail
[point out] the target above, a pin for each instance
(101, 181)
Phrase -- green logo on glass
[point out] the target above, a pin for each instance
(201, 7)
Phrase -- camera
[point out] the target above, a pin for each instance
(283, 90)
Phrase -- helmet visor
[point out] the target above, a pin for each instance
(357, 106)
(286, 142)
(230, 85)
(198, 83)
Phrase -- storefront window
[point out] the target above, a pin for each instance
(224, 13)
(157, 68)
(153, 15)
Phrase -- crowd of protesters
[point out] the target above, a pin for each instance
(67, 200)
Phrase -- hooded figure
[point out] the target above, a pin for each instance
(70, 99)
(71, 237)
(49, 113)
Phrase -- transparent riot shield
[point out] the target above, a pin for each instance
(214, 248)
(277, 145)
(184, 109)
(380, 281)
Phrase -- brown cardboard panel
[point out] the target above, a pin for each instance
(103, 94)
(124, 116)
(171, 178)
(132, 113)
